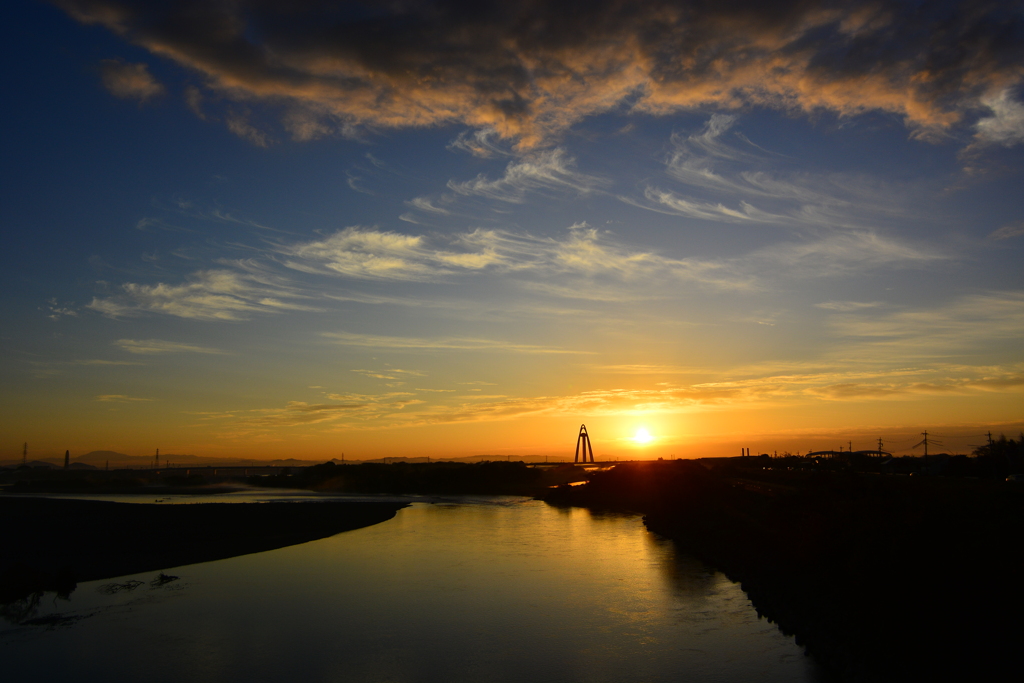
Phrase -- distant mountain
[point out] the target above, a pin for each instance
(30, 463)
(101, 456)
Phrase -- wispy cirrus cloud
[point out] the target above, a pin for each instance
(666, 201)
(442, 343)
(969, 322)
(205, 295)
(390, 373)
(1008, 231)
(529, 71)
(484, 143)
(347, 409)
(742, 184)
(546, 171)
(845, 306)
(583, 251)
(148, 347)
(373, 254)
(847, 251)
(121, 398)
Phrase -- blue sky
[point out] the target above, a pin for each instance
(236, 229)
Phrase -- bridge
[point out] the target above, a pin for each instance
(583, 440)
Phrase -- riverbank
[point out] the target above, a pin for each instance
(51, 544)
(881, 578)
(446, 478)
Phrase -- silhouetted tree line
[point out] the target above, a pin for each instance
(1001, 457)
(882, 578)
(513, 478)
(59, 481)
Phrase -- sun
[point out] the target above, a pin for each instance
(643, 436)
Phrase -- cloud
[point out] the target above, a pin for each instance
(1006, 125)
(548, 171)
(459, 343)
(969, 322)
(647, 369)
(425, 204)
(843, 252)
(129, 81)
(371, 254)
(57, 311)
(845, 306)
(671, 203)
(96, 361)
(753, 387)
(240, 126)
(206, 295)
(120, 398)
(194, 100)
(1008, 231)
(159, 346)
(348, 409)
(480, 143)
(530, 70)
(749, 189)
(390, 373)
(583, 252)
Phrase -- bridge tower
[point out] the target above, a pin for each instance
(584, 439)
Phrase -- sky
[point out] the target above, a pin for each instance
(439, 228)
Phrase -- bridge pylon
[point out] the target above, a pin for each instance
(584, 440)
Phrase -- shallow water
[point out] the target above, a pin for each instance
(485, 589)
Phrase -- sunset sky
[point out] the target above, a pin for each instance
(297, 229)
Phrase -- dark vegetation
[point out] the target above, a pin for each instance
(499, 478)
(495, 477)
(880, 577)
(51, 544)
(114, 481)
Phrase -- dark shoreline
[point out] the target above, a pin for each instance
(880, 578)
(50, 544)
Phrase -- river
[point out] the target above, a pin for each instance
(461, 589)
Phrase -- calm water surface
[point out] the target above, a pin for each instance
(499, 589)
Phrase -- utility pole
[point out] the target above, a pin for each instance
(879, 447)
(24, 455)
(850, 444)
(67, 459)
(924, 442)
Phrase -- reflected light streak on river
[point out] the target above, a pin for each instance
(502, 589)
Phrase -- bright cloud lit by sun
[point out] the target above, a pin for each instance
(643, 436)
